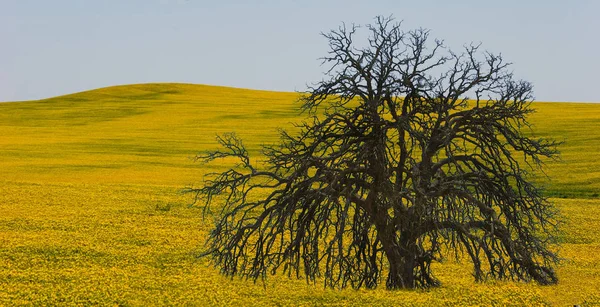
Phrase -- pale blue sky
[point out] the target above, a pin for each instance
(55, 47)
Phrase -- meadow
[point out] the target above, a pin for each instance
(91, 211)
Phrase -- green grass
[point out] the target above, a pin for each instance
(90, 211)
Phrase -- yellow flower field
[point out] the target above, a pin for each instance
(91, 211)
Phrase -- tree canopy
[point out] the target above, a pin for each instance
(410, 153)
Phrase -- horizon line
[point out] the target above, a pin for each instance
(230, 87)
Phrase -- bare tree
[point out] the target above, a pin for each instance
(393, 169)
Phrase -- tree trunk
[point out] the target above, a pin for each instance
(401, 257)
(402, 266)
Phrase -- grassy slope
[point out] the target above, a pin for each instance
(89, 210)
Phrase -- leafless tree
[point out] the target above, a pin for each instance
(393, 169)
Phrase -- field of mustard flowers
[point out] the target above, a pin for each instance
(91, 211)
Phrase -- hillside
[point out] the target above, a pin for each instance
(90, 210)
(133, 133)
(139, 134)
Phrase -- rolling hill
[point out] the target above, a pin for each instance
(91, 214)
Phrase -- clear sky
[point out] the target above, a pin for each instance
(55, 47)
